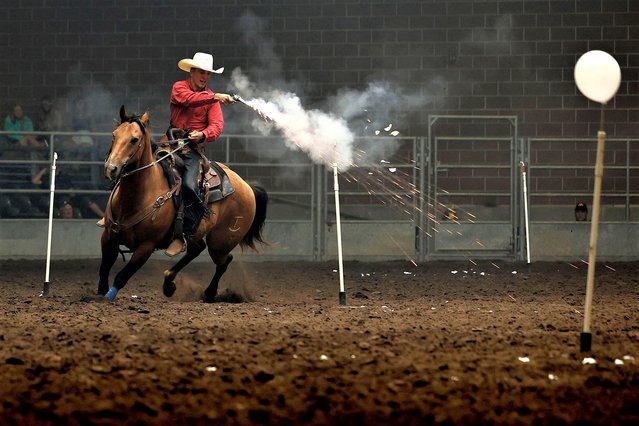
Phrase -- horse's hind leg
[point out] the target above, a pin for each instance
(211, 292)
(193, 250)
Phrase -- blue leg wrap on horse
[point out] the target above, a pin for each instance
(111, 293)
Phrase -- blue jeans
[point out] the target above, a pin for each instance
(193, 207)
(190, 176)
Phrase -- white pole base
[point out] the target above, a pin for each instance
(342, 298)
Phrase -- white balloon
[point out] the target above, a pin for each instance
(597, 75)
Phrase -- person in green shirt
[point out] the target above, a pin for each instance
(17, 121)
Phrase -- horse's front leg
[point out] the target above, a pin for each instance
(139, 257)
(109, 256)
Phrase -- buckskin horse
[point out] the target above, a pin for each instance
(140, 213)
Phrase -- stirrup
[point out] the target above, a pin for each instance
(101, 223)
(176, 247)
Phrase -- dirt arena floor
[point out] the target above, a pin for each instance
(441, 343)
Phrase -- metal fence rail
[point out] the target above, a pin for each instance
(392, 204)
(561, 173)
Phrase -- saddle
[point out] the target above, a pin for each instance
(213, 182)
(216, 183)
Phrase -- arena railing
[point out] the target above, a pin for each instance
(381, 212)
(301, 210)
(561, 174)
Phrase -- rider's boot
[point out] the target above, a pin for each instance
(178, 245)
(101, 223)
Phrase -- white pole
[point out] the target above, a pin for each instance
(342, 293)
(45, 290)
(525, 187)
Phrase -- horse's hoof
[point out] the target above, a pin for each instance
(169, 286)
(208, 299)
(111, 294)
(102, 291)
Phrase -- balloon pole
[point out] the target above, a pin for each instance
(45, 289)
(585, 339)
(342, 293)
(598, 77)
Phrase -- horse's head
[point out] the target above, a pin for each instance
(130, 140)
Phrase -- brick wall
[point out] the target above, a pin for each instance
(465, 57)
(477, 57)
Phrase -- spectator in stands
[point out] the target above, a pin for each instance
(18, 121)
(48, 118)
(86, 205)
(581, 212)
(92, 205)
(7, 209)
(62, 179)
(81, 122)
(67, 211)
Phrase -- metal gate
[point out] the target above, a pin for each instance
(473, 187)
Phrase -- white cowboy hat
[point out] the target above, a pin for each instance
(200, 60)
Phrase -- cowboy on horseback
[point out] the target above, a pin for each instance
(196, 114)
(141, 216)
(196, 110)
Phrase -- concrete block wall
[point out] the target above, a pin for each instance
(482, 57)
(478, 57)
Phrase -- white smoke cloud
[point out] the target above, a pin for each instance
(375, 111)
(342, 129)
(353, 119)
(325, 137)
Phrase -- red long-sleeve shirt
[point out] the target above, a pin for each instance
(196, 110)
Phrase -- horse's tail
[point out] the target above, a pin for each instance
(255, 233)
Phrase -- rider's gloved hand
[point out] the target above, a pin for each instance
(224, 98)
(196, 135)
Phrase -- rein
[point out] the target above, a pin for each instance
(180, 144)
(153, 208)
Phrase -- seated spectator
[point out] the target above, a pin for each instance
(18, 206)
(86, 205)
(81, 123)
(18, 121)
(581, 212)
(48, 119)
(7, 209)
(42, 179)
(67, 211)
(91, 205)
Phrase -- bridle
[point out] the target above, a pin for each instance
(153, 208)
(180, 142)
(136, 119)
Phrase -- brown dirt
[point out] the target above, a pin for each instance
(413, 345)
